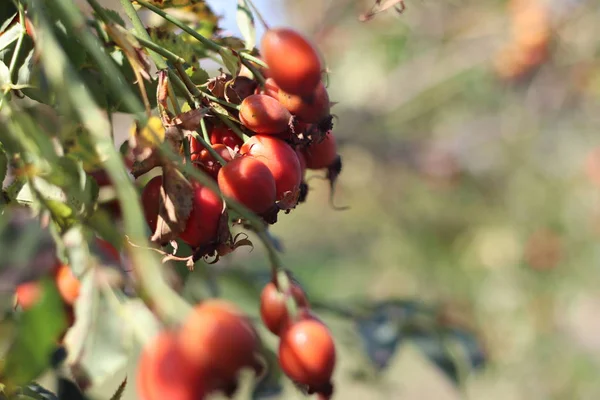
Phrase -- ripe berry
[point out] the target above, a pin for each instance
(165, 373)
(224, 135)
(273, 309)
(219, 340)
(307, 353)
(68, 285)
(321, 154)
(248, 181)
(28, 294)
(282, 161)
(310, 108)
(271, 89)
(203, 223)
(150, 201)
(263, 114)
(293, 62)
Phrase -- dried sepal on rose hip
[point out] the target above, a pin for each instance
(223, 244)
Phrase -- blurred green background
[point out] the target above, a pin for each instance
(467, 130)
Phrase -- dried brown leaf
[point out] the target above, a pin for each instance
(190, 120)
(176, 201)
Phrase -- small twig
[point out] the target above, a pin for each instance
(258, 14)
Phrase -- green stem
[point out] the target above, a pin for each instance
(187, 82)
(259, 77)
(149, 44)
(221, 102)
(258, 14)
(256, 60)
(209, 148)
(204, 130)
(140, 30)
(233, 127)
(13, 61)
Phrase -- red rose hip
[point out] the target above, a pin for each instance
(293, 62)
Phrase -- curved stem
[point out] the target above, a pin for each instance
(204, 130)
(233, 127)
(219, 101)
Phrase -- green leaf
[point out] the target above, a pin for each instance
(198, 75)
(245, 22)
(27, 69)
(38, 331)
(10, 36)
(114, 16)
(231, 61)
(95, 350)
(4, 74)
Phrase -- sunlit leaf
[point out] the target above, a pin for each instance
(245, 22)
(10, 36)
(231, 61)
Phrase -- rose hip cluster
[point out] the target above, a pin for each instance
(287, 124)
(205, 354)
(306, 348)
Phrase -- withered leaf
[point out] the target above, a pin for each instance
(162, 95)
(175, 205)
(190, 120)
(236, 90)
(216, 85)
